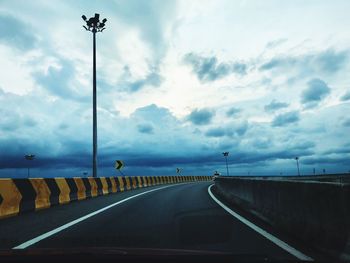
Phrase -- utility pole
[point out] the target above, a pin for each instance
(94, 25)
(297, 159)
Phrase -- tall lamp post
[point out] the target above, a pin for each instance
(29, 157)
(225, 155)
(297, 159)
(94, 25)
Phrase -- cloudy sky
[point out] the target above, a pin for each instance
(179, 82)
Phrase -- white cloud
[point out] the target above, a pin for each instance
(15, 73)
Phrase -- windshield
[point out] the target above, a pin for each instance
(176, 127)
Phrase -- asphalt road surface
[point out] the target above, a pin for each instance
(182, 216)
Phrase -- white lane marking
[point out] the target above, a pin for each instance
(76, 221)
(262, 232)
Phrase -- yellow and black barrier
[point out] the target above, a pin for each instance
(23, 195)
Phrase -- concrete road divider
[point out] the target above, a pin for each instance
(10, 198)
(43, 193)
(23, 195)
(316, 213)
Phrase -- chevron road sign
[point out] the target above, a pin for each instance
(118, 164)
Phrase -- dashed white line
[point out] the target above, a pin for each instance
(261, 231)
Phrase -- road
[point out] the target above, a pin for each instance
(182, 216)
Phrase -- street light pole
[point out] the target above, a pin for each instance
(297, 159)
(94, 117)
(94, 25)
(226, 154)
(29, 157)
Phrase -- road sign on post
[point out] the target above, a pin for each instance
(178, 171)
(118, 164)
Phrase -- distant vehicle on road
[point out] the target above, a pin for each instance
(216, 174)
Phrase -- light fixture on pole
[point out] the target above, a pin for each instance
(29, 157)
(225, 155)
(94, 25)
(297, 159)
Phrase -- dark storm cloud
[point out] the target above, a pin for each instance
(262, 143)
(286, 118)
(201, 117)
(215, 132)
(209, 69)
(166, 161)
(316, 91)
(345, 149)
(212, 159)
(143, 158)
(340, 160)
(66, 152)
(254, 157)
(83, 160)
(304, 145)
(275, 105)
(145, 128)
(16, 33)
(239, 128)
(29, 129)
(62, 152)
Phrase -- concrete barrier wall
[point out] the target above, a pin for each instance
(316, 213)
(336, 178)
(22, 195)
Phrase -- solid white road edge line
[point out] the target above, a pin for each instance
(261, 231)
(76, 221)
